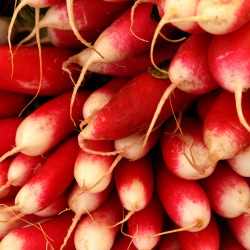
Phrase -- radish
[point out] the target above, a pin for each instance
(134, 183)
(229, 64)
(47, 234)
(13, 108)
(188, 71)
(240, 228)
(22, 168)
(27, 61)
(228, 193)
(116, 42)
(8, 128)
(48, 125)
(72, 16)
(36, 193)
(185, 201)
(208, 238)
(225, 139)
(145, 224)
(135, 65)
(82, 203)
(4, 168)
(92, 171)
(239, 163)
(95, 229)
(184, 151)
(136, 107)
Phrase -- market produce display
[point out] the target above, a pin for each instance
(124, 125)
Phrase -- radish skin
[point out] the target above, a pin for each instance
(229, 64)
(180, 198)
(48, 125)
(36, 193)
(228, 193)
(91, 231)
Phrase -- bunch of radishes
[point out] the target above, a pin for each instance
(126, 126)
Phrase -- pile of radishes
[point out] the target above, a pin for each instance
(126, 126)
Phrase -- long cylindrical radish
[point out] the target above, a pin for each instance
(91, 231)
(49, 233)
(239, 163)
(134, 183)
(48, 125)
(185, 201)
(228, 193)
(225, 139)
(91, 170)
(116, 42)
(184, 150)
(82, 203)
(50, 181)
(145, 224)
(229, 64)
(240, 227)
(136, 108)
(208, 238)
(135, 65)
(15, 106)
(26, 75)
(87, 16)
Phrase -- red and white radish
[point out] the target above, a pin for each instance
(184, 150)
(95, 229)
(228, 193)
(229, 64)
(48, 125)
(185, 201)
(225, 139)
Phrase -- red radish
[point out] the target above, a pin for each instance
(208, 238)
(26, 75)
(22, 168)
(95, 229)
(134, 183)
(188, 70)
(240, 228)
(47, 234)
(82, 203)
(228, 193)
(116, 42)
(185, 201)
(15, 106)
(136, 107)
(145, 224)
(184, 151)
(229, 64)
(48, 125)
(8, 128)
(100, 97)
(135, 65)
(204, 103)
(239, 163)
(91, 170)
(36, 194)
(225, 139)
(4, 168)
(169, 242)
(76, 19)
